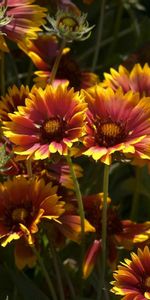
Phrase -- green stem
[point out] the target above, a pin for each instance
(135, 200)
(78, 195)
(82, 216)
(104, 230)
(45, 274)
(99, 34)
(2, 75)
(56, 63)
(57, 270)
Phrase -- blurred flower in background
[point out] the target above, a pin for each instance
(137, 80)
(43, 52)
(20, 20)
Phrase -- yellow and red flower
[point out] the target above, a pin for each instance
(23, 204)
(137, 80)
(52, 121)
(14, 97)
(20, 20)
(132, 279)
(43, 52)
(116, 124)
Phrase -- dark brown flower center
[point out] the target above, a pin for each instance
(109, 133)
(15, 214)
(19, 215)
(53, 130)
(69, 69)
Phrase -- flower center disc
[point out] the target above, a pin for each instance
(52, 126)
(53, 130)
(110, 129)
(19, 214)
(109, 133)
(69, 22)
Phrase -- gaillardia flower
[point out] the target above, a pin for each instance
(52, 120)
(14, 97)
(23, 204)
(138, 80)
(116, 124)
(132, 279)
(19, 20)
(43, 52)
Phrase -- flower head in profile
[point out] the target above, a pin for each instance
(138, 80)
(69, 26)
(19, 20)
(52, 121)
(43, 52)
(14, 97)
(132, 279)
(23, 204)
(116, 124)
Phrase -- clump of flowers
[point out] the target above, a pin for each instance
(62, 140)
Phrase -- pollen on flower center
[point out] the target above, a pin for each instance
(147, 282)
(110, 129)
(108, 133)
(53, 129)
(52, 126)
(19, 214)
